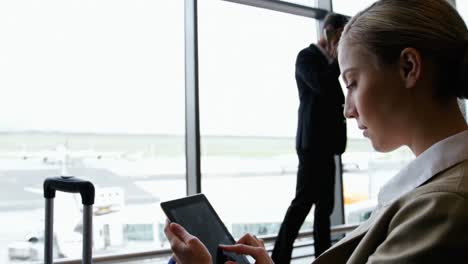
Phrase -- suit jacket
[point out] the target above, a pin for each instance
(321, 125)
(427, 225)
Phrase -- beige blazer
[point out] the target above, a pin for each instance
(427, 225)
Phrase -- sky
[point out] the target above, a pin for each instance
(93, 66)
(118, 66)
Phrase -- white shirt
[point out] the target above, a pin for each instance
(435, 159)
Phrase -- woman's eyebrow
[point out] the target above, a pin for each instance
(348, 70)
(343, 74)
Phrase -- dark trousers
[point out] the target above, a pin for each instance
(315, 185)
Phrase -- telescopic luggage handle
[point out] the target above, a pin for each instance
(71, 185)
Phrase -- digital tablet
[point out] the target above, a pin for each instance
(199, 218)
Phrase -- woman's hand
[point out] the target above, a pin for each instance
(250, 245)
(186, 248)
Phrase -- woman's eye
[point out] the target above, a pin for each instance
(351, 85)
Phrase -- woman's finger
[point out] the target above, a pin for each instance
(262, 243)
(180, 231)
(186, 247)
(242, 249)
(172, 237)
(250, 240)
(178, 237)
(258, 253)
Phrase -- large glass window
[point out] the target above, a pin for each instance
(248, 105)
(93, 89)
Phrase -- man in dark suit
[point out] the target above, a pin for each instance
(321, 134)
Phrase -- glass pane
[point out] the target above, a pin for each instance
(350, 8)
(95, 90)
(248, 104)
(462, 7)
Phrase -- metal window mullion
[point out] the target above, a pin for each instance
(284, 7)
(325, 5)
(338, 216)
(192, 114)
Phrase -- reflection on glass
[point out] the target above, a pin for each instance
(95, 90)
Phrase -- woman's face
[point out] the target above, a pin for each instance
(376, 96)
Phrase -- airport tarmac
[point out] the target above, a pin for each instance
(255, 199)
(261, 196)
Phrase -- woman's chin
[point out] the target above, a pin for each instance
(381, 146)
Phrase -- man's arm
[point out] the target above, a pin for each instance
(312, 73)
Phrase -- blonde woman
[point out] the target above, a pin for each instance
(404, 63)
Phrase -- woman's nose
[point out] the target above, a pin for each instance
(349, 110)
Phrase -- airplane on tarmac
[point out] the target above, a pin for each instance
(60, 153)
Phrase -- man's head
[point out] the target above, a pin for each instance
(335, 21)
(333, 25)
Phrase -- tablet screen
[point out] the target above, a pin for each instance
(198, 217)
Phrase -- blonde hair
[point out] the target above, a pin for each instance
(433, 27)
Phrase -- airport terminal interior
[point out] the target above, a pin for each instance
(153, 100)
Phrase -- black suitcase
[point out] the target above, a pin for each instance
(71, 185)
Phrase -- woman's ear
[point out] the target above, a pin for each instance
(410, 66)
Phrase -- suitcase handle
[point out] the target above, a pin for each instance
(70, 185)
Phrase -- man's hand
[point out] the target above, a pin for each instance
(333, 51)
(332, 43)
(187, 249)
